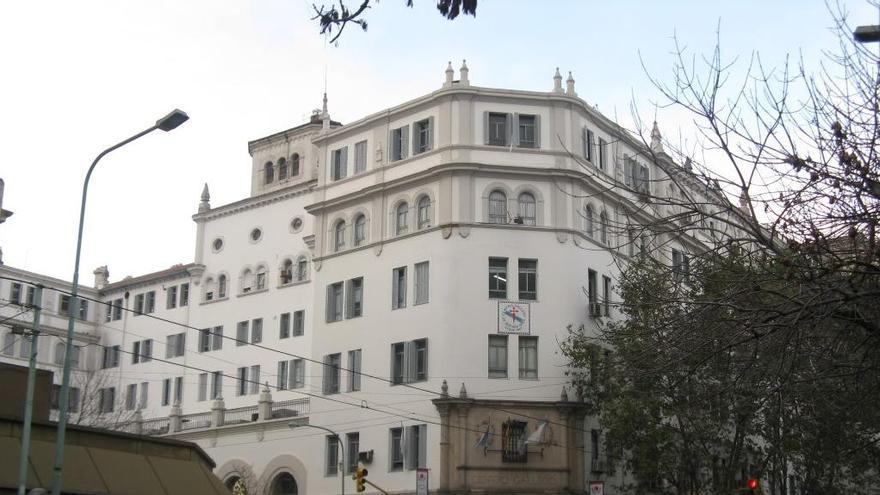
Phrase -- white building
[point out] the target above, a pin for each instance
(402, 280)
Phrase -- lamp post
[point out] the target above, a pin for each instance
(166, 123)
(338, 445)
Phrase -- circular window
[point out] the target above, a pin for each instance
(256, 234)
(217, 245)
(296, 224)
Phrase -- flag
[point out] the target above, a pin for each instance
(484, 439)
(537, 436)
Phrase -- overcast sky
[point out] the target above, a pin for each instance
(78, 76)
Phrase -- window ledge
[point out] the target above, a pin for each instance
(258, 291)
(212, 301)
(291, 284)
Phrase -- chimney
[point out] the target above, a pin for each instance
(102, 275)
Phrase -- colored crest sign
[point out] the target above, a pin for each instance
(514, 317)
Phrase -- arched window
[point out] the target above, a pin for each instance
(302, 269)
(247, 280)
(339, 236)
(360, 226)
(588, 220)
(59, 353)
(497, 207)
(221, 286)
(282, 168)
(269, 170)
(261, 277)
(424, 212)
(286, 275)
(527, 208)
(284, 484)
(401, 222)
(294, 165)
(603, 227)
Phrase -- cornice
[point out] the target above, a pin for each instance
(257, 201)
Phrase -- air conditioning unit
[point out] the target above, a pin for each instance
(595, 309)
(366, 457)
(599, 466)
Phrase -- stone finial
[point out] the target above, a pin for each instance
(564, 396)
(656, 140)
(463, 78)
(264, 405)
(557, 82)
(687, 164)
(449, 75)
(463, 392)
(137, 420)
(325, 115)
(205, 203)
(569, 85)
(102, 276)
(744, 200)
(444, 389)
(218, 410)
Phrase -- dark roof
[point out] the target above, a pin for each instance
(178, 269)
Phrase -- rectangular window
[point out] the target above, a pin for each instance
(83, 309)
(409, 361)
(354, 370)
(396, 449)
(15, 293)
(178, 390)
(334, 302)
(606, 296)
(203, 387)
(110, 357)
(528, 357)
(241, 333)
(528, 129)
(589, 143)
(242, 381)
(355, 298)
(360, 157)
(423, 136)
(184, 295)
(297, 373)
(64, 305)
(680, 265)
(175, 345)
(498, 356)
(147, 350)
(166, 391)
(398, 288)
(150, 302)
(117, 310)
(216, 384)
(399, 143)
(217, 338)
(603, 154)
(257, 331)
(415, 446)
(593, 293)
(498, 278)
(352, 442)
(339, 161)
(108, 316)
(421, 288)
(136, 352)
(171, 297)
(284, 326)
(130, 396)
(513, 444)
(636, 175)
(205, 340)
(106, 399)
(528, 280)
(332, 363)
(299, 318)
(283, 373)
(31, 294)
(254, 379)
(145, 386)
(138, 304)
(332, 456)
(496, 128)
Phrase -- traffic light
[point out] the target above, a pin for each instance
(360, 478)
(752, 485)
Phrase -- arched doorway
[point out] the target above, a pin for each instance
(284, 484)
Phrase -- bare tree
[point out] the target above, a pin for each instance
(338, 16)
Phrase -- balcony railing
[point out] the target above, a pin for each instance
(290, 408)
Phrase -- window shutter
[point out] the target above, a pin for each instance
(409, 361)
(411, 450)
(326, 376)
(485, 127)
(423, 445)
(415, 140)
(586, 138)
(508, 129)
(394, 289)
(513, 128)
(537, 131)
(404, 141)
(343, 162)
(169, 346)
(430, 133)
(328, 306)
(626, 170)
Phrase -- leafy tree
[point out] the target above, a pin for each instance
(337, 17)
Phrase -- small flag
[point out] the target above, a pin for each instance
(537, 436)
(484, 439)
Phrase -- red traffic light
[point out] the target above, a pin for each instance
(752, 484)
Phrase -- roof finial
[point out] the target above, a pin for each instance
(205, 204)
(557, 82)
(449, 75)
(656, 140)
(463, 79)
(325, 115)
(569, 85)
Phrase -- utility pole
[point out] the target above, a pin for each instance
(29, 401)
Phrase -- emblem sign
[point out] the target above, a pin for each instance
(514, 318)
(597, 488)
(422, 481)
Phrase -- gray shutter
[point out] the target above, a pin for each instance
(394, 288)
(508, 129)
(404, 141)
(409, 361)
(423, 445)
(343, 162)
(391, 143)
(415, 140)
(537, 131)
(325, 378)
(485, 127)
(513, 129)
(586, 138)
(626, 172)
(430, 133)
(170, 345)
(327, 306)
(181, 344)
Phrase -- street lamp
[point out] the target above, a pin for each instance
(166, 123)
(338, 445)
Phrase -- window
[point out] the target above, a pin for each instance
(242, 388)
(60, 349)
(603, 154)
(396, 450)
(31, 294)
(145, 386)
(498, 278)
(680, 265)
(334, 302)
(606, 296)
(175, 345)
(178, 389)
(409, 361)
(513, 444)
(400, 218)
(423, 135)
(257, 331)
(142, 351)
(399, 143)
(171, 297)
(74, 356)
(528, 280)
(496, 128)
(110, 359)
(130, 396)
(422, 283)
(117, 309)
(339, 236)
(15, 293)
(424, 212)
(526, 203)
(332, 456)
(203, 387)
(339, 162)
(631, 243)
(297, 373)
(284, 326)
(354, 370)
(360, 157)
(9, 344)
(497, 207)
(269, 171)
(332, 363)
(294, 165)
(166, 391)
(261, 278)
(221, 286)
(298, 322)
(286, 273)
(83, 309)
(528, 131)
(66, 309)
(106, 399)
(592, 293)
(589, 142)
(64, 305)
(283, 373)
(247, 280)
(205, 340)
(73, 398)
(26, 341)
(216, 385)
(359, 235)
(528, 357)
(282, 168)
(588, 220)
(352, 441)
(354, 306)
(498, 356)
(108, 316)
(302, 269)
(603, 228)
(398, 288)
(636, 175)
(150, 302)
(217, 338)
(241, 333)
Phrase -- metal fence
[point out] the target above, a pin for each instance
(195, 421)
(241, 415)
(290, 408)
(158, 426)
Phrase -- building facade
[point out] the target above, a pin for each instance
(402, 281)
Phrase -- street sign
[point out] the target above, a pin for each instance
(422, 481)
(597, 488)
